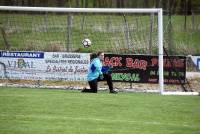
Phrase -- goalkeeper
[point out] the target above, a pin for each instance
(98, 73)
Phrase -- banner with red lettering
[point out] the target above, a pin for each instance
(144, 68)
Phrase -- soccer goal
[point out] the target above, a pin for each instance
(119, 31)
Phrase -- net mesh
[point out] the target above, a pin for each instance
(116, 33)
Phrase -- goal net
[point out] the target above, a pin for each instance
(113, 31)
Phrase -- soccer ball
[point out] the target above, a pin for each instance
(86, 43)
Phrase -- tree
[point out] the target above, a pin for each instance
(157, 3)
(146, 4)
(189, 7)
(77, 3)
(61, 3)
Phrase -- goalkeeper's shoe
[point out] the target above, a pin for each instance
(113, 92)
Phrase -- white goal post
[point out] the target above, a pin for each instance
(157, 11)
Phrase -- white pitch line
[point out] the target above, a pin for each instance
(102, 120)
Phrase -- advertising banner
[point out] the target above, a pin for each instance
(45, 65)
(196, 61)
(66, 66)
(144, 68)
(74, 67)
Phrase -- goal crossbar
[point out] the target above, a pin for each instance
(85, 10)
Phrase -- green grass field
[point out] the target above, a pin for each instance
(45, 111)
